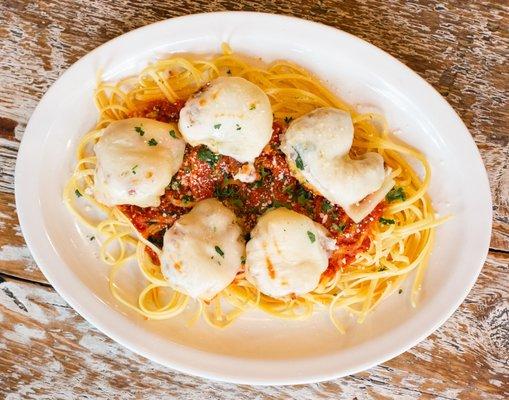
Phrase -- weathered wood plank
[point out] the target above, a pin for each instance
(15, 258)
(458, 48)
(48, 351)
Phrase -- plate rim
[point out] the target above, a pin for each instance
(24, 205)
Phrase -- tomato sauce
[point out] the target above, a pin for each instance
(204, 174)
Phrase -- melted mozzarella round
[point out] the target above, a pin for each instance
(287, 253)
(316, 146)
(202, 251)
(136, 159)
(231, 115)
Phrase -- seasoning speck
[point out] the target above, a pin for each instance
(219, 251)
(140, 130)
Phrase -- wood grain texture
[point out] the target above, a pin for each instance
(48, 351)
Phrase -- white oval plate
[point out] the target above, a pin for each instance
(258, 349)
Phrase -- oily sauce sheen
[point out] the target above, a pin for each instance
(204, 174)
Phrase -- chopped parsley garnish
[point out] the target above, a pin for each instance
(225, 191)
(263, 173)
(396, 193)
(311, 236)
(326, 206)
(133, 169)
(219, 251)
(288, 189)
(238, 127)
(288, 119)
(302, 199)
(174, 185)
(92, 238)
(173, 134)
(252, 106)
(205, 154)
(187, 198)
(77, 193)
(338, 227)
(382, 269)
(400, 291)
(140, 130)
(152, 142)
(386, 221)
(298, 161)
(217, 126)
(237, 202)
(243, 259)
(279, 204)
(302, 196)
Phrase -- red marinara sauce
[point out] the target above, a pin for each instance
(205, 174)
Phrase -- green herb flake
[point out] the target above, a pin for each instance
(133, 169)
(173, 134)
(252, 106)
(152, 142)
(243, 260)
(77, 193)
(386, 221)
(326, 206)
(302, 196)
(186, 199)
(237, 202)
(226, 191)
(140, 130)
(311, 236)
(400, 291)
(219, 251)
(302, 199)
(381, 269)
(288, 119)
(175, 185)
(278, 204)
(298, 161)
(92, 238)
(288, 189)
(263, 172)
(217, 126)
(205, 154)
(338, 227)
(238, 127)
(396, 193)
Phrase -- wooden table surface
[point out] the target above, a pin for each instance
(48, 351)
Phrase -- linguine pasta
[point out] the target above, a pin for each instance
(398, 246)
